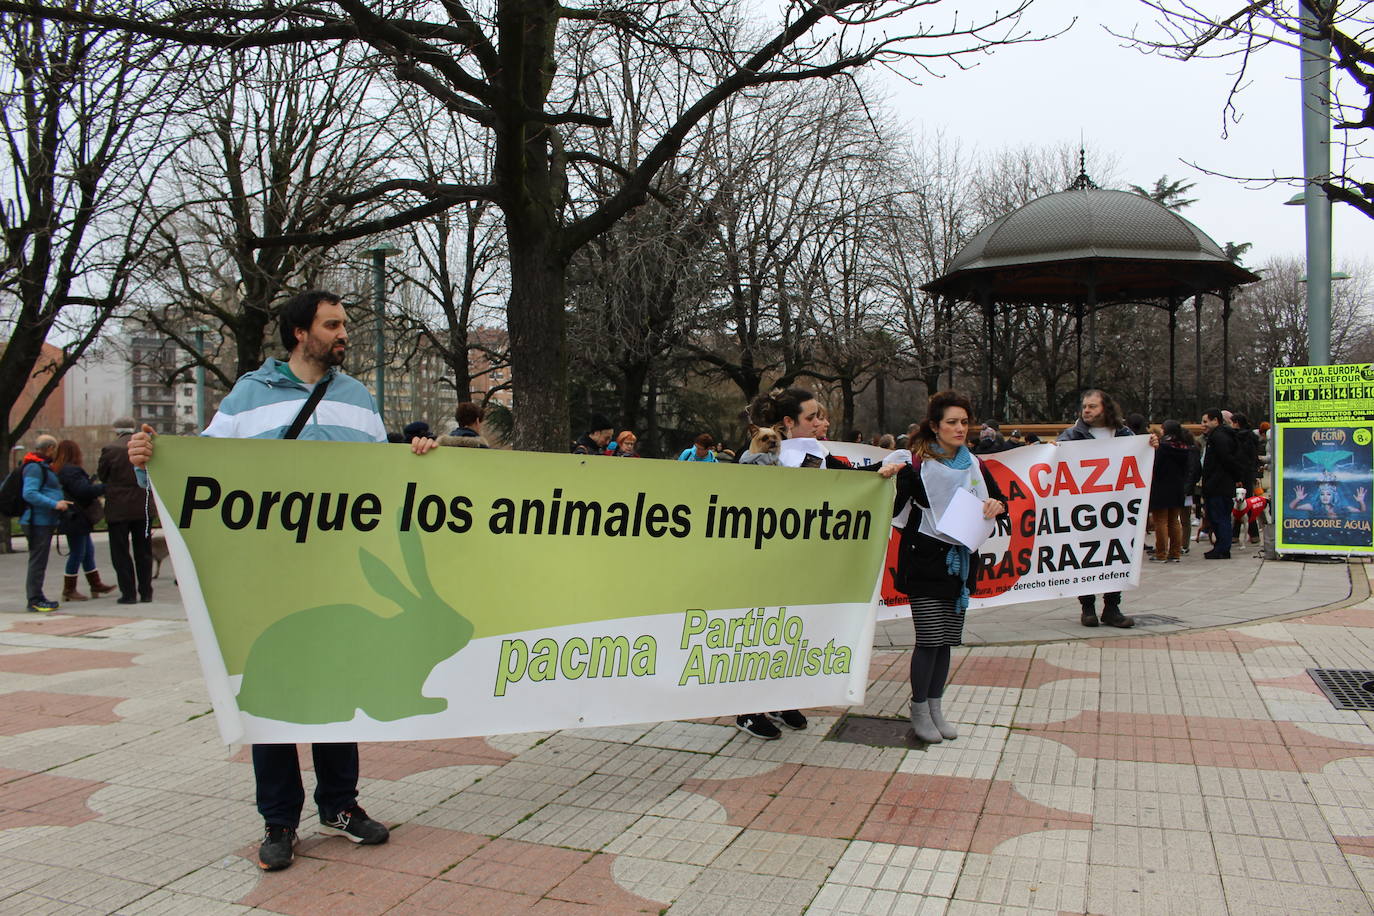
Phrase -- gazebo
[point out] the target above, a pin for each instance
(1086, 249)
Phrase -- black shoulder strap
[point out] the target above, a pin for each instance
(307, 408)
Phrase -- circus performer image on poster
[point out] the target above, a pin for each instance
(1326, 480)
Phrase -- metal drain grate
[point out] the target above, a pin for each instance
(1156, 620)
(874, 731)
(1344, 687)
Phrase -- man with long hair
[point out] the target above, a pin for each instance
(1099, 417)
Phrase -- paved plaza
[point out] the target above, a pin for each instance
(1190, 766)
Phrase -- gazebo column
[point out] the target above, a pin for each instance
(1226, 347)
(1078, 346)
(949, 340)
(1092, 335)
(1174, 303)
(1197, 346)
(989, 315)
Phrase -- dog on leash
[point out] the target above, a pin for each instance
(158, 546)
(1250, 509)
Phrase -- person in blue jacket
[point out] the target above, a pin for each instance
(43, 506)
(700, 450)
(263, 404)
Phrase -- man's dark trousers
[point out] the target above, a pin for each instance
(1219, 514)
(135, 576)
(280, 792)
(40, 543)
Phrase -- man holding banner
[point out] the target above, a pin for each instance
(1100, 418)
(305, 397)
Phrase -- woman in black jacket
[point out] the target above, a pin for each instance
(1167, 491)
(79, 520)
(936, 572)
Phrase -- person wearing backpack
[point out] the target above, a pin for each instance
(43, 505)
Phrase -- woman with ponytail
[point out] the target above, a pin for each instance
(936, 572)
(795, 414)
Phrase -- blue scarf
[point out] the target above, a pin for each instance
(958, 561)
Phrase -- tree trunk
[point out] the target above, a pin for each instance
(632, 381)
(250, 330)
(932, 379)
(650, 421)
(846, 408)
(538, 344)
(880, 396)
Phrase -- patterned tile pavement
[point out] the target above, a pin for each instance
(1188, 768)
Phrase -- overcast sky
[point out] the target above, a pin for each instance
(1154, 114)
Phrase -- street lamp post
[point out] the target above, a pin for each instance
(200, 377)
(379, 255)
(1315, 54)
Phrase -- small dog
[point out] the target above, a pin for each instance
(763, 447)
(158, 547)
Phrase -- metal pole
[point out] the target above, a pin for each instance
(1315, 70)
(1226, 347)
(989, 313)
(1174, 303)
(1197, 352)
(949, 339)
(1078, 346)
(200, 379)
(379, 305)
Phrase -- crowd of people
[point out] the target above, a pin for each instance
(56, 495)
(306, 396)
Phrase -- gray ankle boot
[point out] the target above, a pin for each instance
(947, 731)
(922, 724)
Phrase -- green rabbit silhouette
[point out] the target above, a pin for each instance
(322, 664)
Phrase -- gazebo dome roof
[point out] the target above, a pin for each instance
(1123, 245)
(1087, 223)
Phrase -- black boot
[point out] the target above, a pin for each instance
(1089, 616)
(1112, 617)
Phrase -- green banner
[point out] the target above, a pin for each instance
(1323, 454)
(360, 592)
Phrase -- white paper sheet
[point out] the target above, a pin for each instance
(793, 452)
(963, 520)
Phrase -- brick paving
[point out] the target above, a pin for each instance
(1188, 768)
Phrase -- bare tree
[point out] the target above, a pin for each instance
(500, 66)
(80, 112)
(273, 145)
(772, 162)
(636, 288)
(926, 218)
(1240, 31)
(852, 321)
(1270, 321)
(455, 274)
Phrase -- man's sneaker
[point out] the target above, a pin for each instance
(354, 825)
(792, 718)
(757, 724)
(42, 607)
(278, 848)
